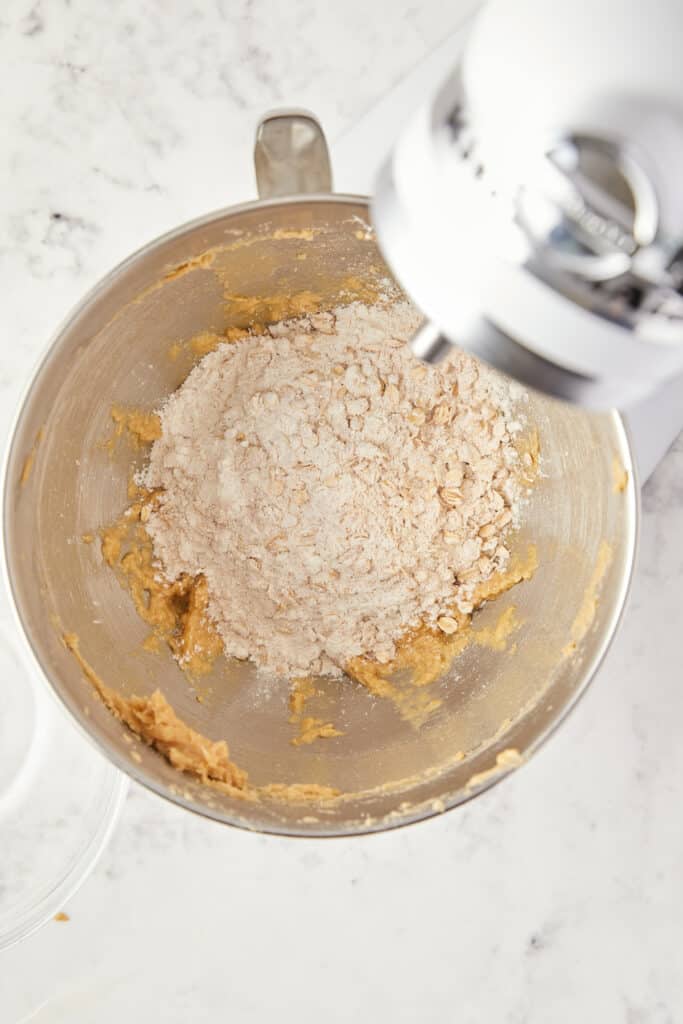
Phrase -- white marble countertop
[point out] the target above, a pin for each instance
(555, 897)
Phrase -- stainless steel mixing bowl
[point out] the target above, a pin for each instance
(115, 349)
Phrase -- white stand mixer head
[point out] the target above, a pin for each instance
(532, 210)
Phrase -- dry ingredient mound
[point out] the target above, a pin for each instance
(333, 491)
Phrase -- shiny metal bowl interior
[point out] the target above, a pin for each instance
(115, 349)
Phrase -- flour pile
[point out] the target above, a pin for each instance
(332, 490)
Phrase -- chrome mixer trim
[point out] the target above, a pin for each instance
(597, 241)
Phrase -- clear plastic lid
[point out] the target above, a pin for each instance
(59, 801)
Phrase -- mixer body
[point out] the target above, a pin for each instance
(533, 208)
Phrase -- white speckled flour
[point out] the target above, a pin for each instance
(332, 490)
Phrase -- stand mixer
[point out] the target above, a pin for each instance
(536, 229)
(555, 167)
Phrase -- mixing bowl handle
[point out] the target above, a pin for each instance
(291, 155)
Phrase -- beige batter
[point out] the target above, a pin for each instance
(175, 610)
(156, 723)
(425, 654)
(589, 606)
(27, 468)
(309, 727)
